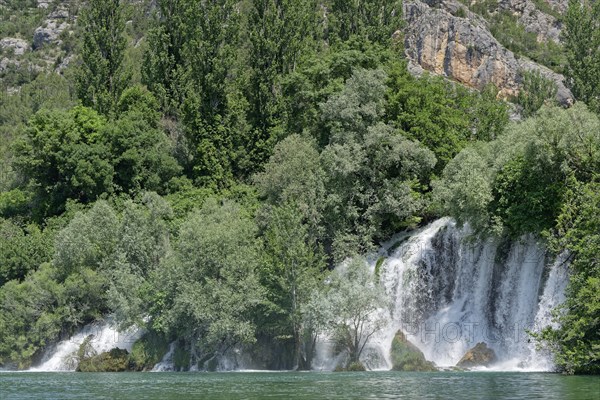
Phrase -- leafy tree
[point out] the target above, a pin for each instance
(65, 157)
(22, 249)
(164, 69)
(294, 175)
(536, 90)
(140, 155)
(373, 173)
(518, 181)
(355, 307)
(528, 191)
(77, 155)
(27, 322)
(577, 339)
(489, 116)
(47, 91)
(278, 33)
(293, 267)
(139, 100)
(582, 46)
(143, 245)
(321, 75)
(210, 286)
(38, 310)
(209, 113)
(465, 188)
(102, 77)
(87, 241)
(375, 20)
(429, 110)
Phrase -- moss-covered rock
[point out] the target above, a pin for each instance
(356, 366)
(407, 357)
(148, 351)
(479, 356)
(351, 367)
(115, 360)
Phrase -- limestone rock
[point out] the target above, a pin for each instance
(19, 46)
(48, 34)
(407, 357)
(6, 63)
(546, 26)
(479, 356)
(464, 50)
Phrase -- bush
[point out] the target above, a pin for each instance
(148, 351)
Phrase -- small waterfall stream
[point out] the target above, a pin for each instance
(105, 336)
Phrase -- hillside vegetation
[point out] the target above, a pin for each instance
(199, 168)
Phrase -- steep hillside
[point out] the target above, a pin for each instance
(471, 42)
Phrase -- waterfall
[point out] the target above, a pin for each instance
(450, 292)
(449, 289)
(167, 363)
(105, 336)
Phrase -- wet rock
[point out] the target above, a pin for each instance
(407, 357)
(479, 356)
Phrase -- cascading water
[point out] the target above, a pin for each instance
(167, 363)
(450, 292)
(105, 336)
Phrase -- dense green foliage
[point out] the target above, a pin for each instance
(537, 90)
(102, 76)
(577, 340)
(582, 45)
(518, 182)
(226, 155)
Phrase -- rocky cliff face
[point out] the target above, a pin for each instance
(445, 38)
(544, 25)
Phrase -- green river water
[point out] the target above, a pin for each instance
(291, 385)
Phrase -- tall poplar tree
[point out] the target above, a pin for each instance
(208, 114)
(102, 76)
(164, 69)
(582, 45)
(375, 20)
(278, 31)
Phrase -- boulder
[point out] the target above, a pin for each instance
(479, 356)
(48, 33)
(407, 357)
(115, 360)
